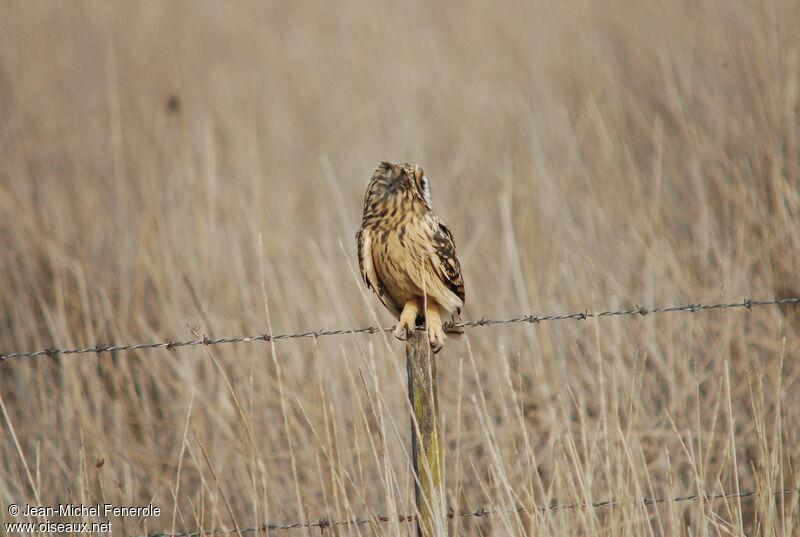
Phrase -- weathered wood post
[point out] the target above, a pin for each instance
(426, 446)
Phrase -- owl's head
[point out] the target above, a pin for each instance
(397, 182)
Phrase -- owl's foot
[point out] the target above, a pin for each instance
(433, 322)
(408, 319)
(436, 338)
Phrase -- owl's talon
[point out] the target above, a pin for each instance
(402, 332)
(407, 321)
(436, 337)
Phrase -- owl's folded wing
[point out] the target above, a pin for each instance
(448, 265)
(367, 267)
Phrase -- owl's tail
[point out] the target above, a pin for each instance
(455, 332)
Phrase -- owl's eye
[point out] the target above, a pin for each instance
(423, 183)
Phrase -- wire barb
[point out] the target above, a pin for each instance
(531, 318)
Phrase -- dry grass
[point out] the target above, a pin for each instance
(587, 155)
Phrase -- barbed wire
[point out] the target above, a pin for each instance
(532, 319)
(324, 523)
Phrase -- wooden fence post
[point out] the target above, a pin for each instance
(426, 447)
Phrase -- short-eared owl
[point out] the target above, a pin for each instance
(407, 255)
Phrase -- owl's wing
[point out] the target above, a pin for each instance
(367, 267)
(448, 265)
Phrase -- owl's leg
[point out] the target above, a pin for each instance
(408, 319)
(434, 324)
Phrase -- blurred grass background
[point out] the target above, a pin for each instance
(177, 169)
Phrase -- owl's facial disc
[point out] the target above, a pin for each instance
(423, 185)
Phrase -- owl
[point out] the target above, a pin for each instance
(407, 255)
